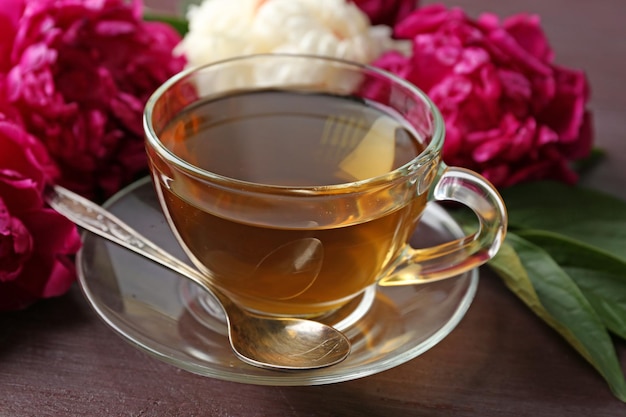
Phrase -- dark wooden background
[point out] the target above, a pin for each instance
(58, 359)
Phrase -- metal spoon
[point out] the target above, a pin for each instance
(266, 342)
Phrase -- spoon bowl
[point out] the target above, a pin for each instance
(278, 343)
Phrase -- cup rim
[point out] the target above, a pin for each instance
(428, 153)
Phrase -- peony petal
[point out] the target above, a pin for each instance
(42, 267)
(395, 62)
(386, 12)
(20, 193)
(54, 233)
(62, 276)
(546, 136)
(22, 154)
(527, 32)
(583, 144)
(490, 150)
(514, 84)
(427, 19)
(522, 140)
(564, 113)
(512, 53)
(472, 59)
(10, 13)
(16, 245)
(497, 173)
(114, 28)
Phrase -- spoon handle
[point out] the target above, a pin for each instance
(98, 220)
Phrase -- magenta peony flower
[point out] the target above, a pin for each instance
(386, 12)
(9, 16)
(80, 74)
(35, 241)
(510, 112)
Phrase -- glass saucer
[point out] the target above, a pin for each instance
(160, 313)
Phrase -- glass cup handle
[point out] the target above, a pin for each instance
(417, 266)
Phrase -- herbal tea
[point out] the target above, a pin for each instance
(266, 249)
(294, 199)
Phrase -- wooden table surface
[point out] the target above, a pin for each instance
(59, 359)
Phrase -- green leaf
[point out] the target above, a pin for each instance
(600, 276)
(612, 311)
(509, 267)
(589, 216)
(585, 165)
(537, 279)
(178, 23)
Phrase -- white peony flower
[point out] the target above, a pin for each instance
(220, 29)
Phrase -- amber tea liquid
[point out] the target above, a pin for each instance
(272, 251)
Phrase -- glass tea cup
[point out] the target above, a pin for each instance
(294, 182)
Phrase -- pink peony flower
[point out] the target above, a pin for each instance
(386, 12)
(81, 72)
(9, 17)
(510, 112)
(35, 241)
